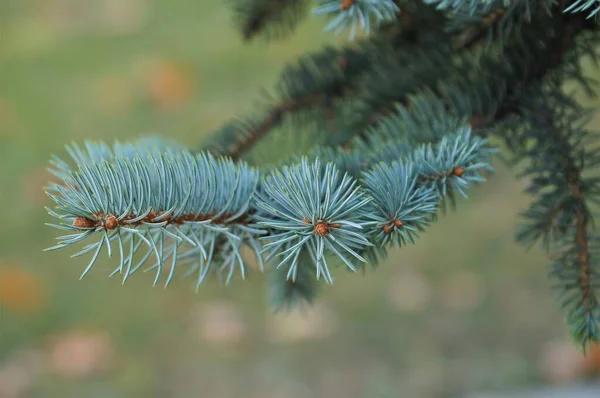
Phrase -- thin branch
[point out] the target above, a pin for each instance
(573, 180)
(581, 238)
(112, 221)
(272, 119)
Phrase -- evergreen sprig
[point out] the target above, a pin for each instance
(197, 211)
(402, 204)
(400, 119)
(455, 163)
(551, 135)
(165, 200)
(317, 209)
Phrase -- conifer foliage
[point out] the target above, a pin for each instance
(400, 117)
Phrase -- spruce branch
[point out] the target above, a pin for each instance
(566, 46)
(144, 197)
(197, 211)
(470, 92)
(469, 84)
(482, 89)
(403, 115)
(238, 137)
(551, 134)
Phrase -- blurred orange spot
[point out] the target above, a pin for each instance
(220, 323)
(169, 85)
(303, 324)
(80, 353)
(19, 373)
(592, 361)
(562, 361)
(20, 290)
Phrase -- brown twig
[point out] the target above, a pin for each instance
(551, 216)
(581, 238)
(273, 118)
(572, 176)
(110, 221)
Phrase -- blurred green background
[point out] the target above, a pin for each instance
(464, 310)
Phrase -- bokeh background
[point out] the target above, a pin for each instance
(464, 310)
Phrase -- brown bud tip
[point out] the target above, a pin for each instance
(458, 171)
(321, 228)
(398, 223)
(388, 228)
(111, 222)
(82, 222)
(160, 213)
(336, 225)
(346, 4)
(306, 220)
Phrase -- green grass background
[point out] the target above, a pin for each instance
(72, 70)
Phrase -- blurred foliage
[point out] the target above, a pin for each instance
(465, 309)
